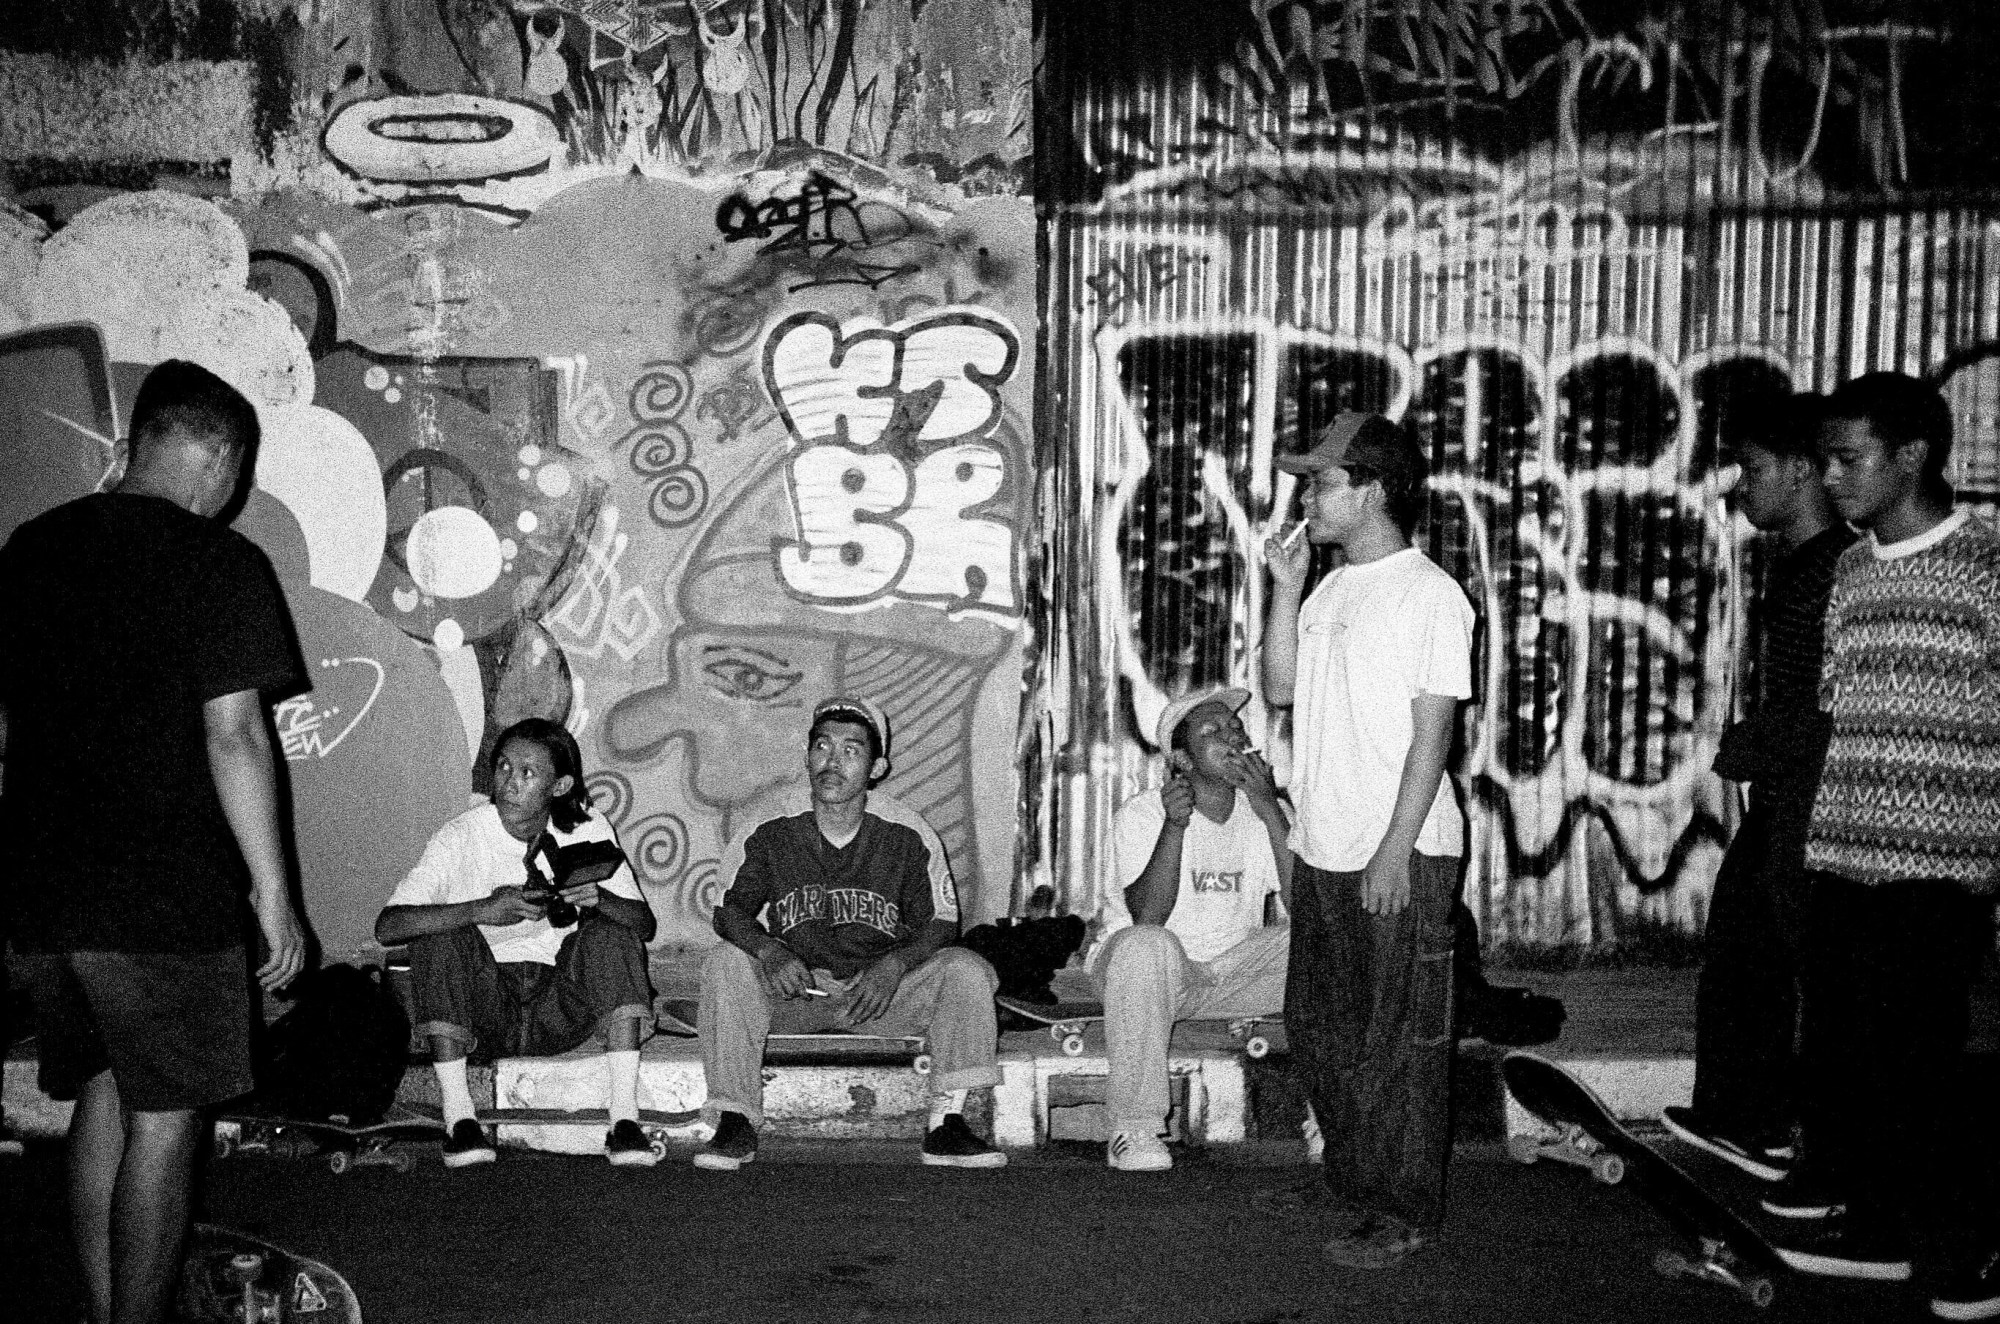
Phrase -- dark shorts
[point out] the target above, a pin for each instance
(172, 1028)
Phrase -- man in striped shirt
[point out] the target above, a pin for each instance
(1747, 1004)
(1904, 850)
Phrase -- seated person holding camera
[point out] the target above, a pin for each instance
(1185, 924)
(861, 915)
(527, 935)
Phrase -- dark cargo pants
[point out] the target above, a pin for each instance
(523, 1008)
(1368, 1015)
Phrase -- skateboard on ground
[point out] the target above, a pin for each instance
(346, 1147)
(229, 1277)
(1727, 1249)
(680, 1017)
(1068, 1020)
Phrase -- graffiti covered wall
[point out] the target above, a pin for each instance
(659, 368)
(1568, 285)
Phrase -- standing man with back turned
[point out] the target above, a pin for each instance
(138, 636)
(1378, 660)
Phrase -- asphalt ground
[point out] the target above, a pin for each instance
(833, 1233)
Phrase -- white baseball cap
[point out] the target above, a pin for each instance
(1229, 696)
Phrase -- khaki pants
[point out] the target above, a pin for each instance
(1147, 983)
(948, 1000)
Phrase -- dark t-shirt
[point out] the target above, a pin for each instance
(120, 617)
(837, 907)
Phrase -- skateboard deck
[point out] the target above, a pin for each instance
(379, 1144)
(1727, 1250)
(229, 1277)
(680, 1017)
(1068, 1020)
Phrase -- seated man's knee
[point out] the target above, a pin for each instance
(728, 966)
(963, 965)
(1143, 946)
(442, 951)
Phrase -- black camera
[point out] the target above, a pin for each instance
(540, 891)
(579, 862)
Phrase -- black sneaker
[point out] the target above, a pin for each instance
(467, 1144)
(951, 1144)
(1970, 1293)
(1842, 1248)
(1764, 1162)
(1802, 1195)
(629, 1147)
(733, 1144)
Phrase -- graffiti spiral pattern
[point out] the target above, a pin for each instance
(611, 792)
(661, 449)
(661, 392)
(659, 848)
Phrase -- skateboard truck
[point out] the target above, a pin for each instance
(1718, 1264)
(1573, 1145)
(244, 1270)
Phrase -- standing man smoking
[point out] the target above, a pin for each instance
(1375, 662)
(139, 635)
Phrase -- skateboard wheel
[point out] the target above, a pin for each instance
(1672, 1263)
(1059, 1032)
(1072, 1045)
(1608, 1168)
(1523, 1149)
(921, 1064)
(401, 1162)
(245, 1267)
(339, 1161)
(1256, 1046)
(1761, 1292)
(659, 1148)
(224, 1146)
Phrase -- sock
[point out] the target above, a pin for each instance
(621, 1078)
(943, 1105)
(457, 1096)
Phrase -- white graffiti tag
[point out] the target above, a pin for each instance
(893, 426)
(308, 731)
(600, 612)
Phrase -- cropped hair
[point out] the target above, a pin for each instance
(184, 400)
(568, 811)
(1900, 409)
(1787, 425)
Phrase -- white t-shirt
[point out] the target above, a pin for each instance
(1226, 872)
(474, 853)
(1371, 638)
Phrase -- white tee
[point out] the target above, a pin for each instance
(474, 853)
(1226, 872)
(1372, 637)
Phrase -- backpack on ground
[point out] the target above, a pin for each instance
(338, 1054)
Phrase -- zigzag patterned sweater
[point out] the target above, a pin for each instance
(1912, 681)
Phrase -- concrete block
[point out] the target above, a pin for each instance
(1634, 1089)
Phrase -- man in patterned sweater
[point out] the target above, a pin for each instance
(1903, 848)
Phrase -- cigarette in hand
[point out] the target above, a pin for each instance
(812, 992)
(1292, 537)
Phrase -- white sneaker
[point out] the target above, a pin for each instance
(1135, 1151)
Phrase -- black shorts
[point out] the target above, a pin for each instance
(172, 1028)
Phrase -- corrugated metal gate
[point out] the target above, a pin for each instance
(1571, 330)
